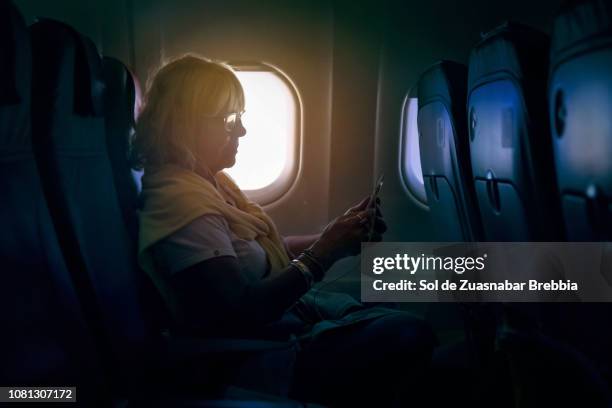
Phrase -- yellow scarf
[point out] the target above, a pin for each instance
(173, 197)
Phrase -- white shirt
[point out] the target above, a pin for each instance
(207, 237)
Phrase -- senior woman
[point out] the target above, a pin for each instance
(223, 268)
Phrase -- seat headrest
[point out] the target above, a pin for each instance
(121, 90)
(446, 80)
(511, 50)
(14, 55)
(61, 45)
(580, 25)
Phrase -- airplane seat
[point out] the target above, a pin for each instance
(510, 145)
(580, 108)
(122, 101)
(45, 339)
(580, 113)
(512, 158)
(445, 156)
(445, 163)
(70, 145)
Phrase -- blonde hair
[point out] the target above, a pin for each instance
(178, 96)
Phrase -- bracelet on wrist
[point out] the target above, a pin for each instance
(317, 269)
(304, 270)
(310, 254)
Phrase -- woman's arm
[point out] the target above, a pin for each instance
(215, 295)
(298, 243)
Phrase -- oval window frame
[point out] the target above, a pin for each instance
(408, 178)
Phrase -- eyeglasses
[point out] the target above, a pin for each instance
(232, 121)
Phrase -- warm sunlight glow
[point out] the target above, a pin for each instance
(270, 120)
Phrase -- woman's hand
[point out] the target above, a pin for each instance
(379, 223)
(362, 205)
(343, 236)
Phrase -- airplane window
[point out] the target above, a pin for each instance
(410, 166)
(267, 157)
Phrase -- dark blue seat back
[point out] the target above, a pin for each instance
(122, 100)
(580, 108)
(45, 339)
(510, 143)
(445, 157)
(580, 101)
(120, 103)
(70, 141)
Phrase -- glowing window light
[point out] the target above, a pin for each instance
(266, 152)
(411, 160)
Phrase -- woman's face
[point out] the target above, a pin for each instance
(218, 143)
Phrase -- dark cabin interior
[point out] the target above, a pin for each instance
(77, 310)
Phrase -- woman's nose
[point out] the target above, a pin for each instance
(240, 130)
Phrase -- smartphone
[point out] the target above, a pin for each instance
(372, 203)
(376, 191)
